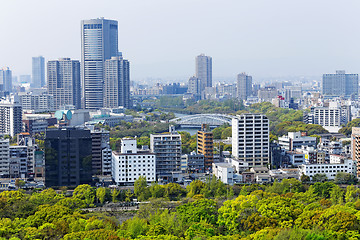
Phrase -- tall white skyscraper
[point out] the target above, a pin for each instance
(203, 71)
(117, 83)
(99, 42)
(244, 86)
(250, 139)
(64, 82)
(38, 71)
(5, 80)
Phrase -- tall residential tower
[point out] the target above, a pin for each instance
(244, 86)
(203, 71)
(99, 42)
(64, 82)
(38, 71)
(117, 83)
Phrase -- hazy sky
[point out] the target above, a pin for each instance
(162, 37)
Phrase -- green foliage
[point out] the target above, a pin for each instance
(282, 210)
(348, 128)
(85, 192)
(345, 178)
(141, 190)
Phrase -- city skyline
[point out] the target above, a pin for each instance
(265, 40)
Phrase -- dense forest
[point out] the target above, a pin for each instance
(204, 210)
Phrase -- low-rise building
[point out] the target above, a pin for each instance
(329, 169)
(192, 163)
(224, 172)
(296, 158)
(129, 164)
(296, 140)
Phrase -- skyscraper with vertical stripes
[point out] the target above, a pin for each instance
(99, 42)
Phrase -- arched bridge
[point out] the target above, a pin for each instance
(195, 121)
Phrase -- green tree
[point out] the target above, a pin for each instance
(345, 178)
(319, 177)
(101, 194)
(141, 190)
(194, 188)
(85, 192)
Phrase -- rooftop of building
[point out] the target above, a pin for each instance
(142, 152)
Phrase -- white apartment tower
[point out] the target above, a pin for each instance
(250, 139)
(129, 164)
(10, 118)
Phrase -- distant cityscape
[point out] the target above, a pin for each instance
(60, 125)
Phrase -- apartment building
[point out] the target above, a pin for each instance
(167, 147)
(205, 145)
(129, 164)
(250, 139)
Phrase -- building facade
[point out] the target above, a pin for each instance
(244, 86)
(329, 169)
(64, 82)
(194, 85)
(6, 80)
(99, 42)
(129, 164)
(340, 84)
(68, 157)
(203, 71)
(295, 140)
(37, 102)
(4, 157)
(117, 83)
(250, 139)
(100, 148)
(10, 118)
(205, 145)
(167, 148)
(192, 163)
(355, 147)
(38, 71)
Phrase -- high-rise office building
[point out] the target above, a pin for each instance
(167, 147)
(244, 86)
(5, 80)
(117, 83)
(99, 42)
(250, 139)
(10, 118)
(38, 72)
(68, 157)
(205, 145)
(64, 82)
(203, 71)
(340, 85)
